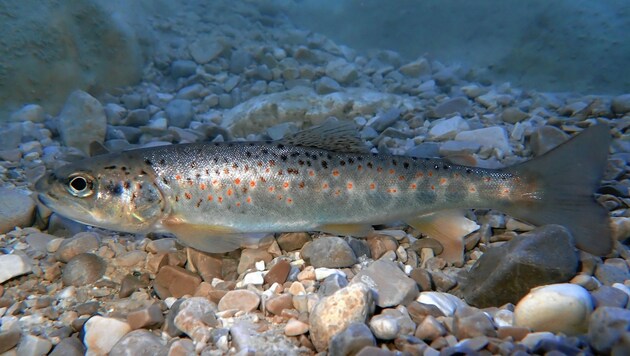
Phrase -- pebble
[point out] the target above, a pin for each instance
(102, 333)
(17, 209)
(278, 273)
(609, 297)
(610, 274)
(183, 68)
(242, 299)
(470, 322)
(82, 242)
(31, 345)
(621, 104)
(391, 323)
(29, 112)
(513, 115)
(385, 119)
(504, 274)
(417, 68)
(13, 266)
(331, 284)
(139, 342)
(327, 85)
(149, 317)
(70, 346)
(278, 303)
(9, 339)
(83, 269)
(205, 49)
(194, 316)
(446, 303)
(39, 241)
(174, 281)
(81, 121)
(545, 138)
(558, 308)
(295, 327)
(341, 71)
(249, 257)
(335, 313)
(391, 286)
(492, 137)
(607, 327)
(430, 329)
(292, 241)
(330, 252)
(351, 340)
(179, 112)
(459, 105)
(447, 129)
(380, 244)
(207, 265)
(255, 278)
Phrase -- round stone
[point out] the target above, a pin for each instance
(82, 269)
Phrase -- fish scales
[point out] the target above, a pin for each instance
(264, 187)
(212, 195)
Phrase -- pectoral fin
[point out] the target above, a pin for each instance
(347, 229)
(210, 238)
(449, 228)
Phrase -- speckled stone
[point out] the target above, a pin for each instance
(82, 269)
(329, 251)
(139, 342)
(391, 286)
(80, 243)
(351, 340)
(241, 299)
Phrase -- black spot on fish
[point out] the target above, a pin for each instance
(301, 163)
(148, 162)
(292, 171)
(370, 165)
(308, 163)
(280, 146)
(248, 154)
(198, 175)
(414, 158)
(193, 164)
(234, 165)
(295, 154)
(394, 162)
(126, 184)
(329, 156)
(165, 181)
(198, 150)
(162, 161)
(109, 167)
(216, 160)
(283, 157)
(325, 164)
(230, 144)
(123, 168)
(436, 167)
(314, 157)
(406, 165)
(142, 172)
(350, 160)
(342, 163)
(264, 151)
(252, 144)
(199, 202)
(469, 171)
(177, 198)
(115, 189)
(446, 166)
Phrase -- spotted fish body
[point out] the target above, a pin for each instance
(211, 194)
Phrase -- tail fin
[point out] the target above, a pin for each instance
(567, 177)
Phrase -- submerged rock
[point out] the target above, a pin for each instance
(506, 273)
(81, 121)
(17, 209)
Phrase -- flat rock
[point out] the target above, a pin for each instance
(621, 104)
(390, 324)
(295, 327)
(101, 334)
(175, 281)
(207, 265)
(448, 128)
(335, 313)
(470, 323)
(416, 68)
(492, 137)
(278, 273)
(341, 71)
(70, 346)
(82, 242)
(179, 112)
(506, 273)
(13, 266)
(249, 257)
(140, 343)
(17, 209)
(558, 308)
(430, 329)
(390, 285)
(183, 68)
(196, 313)
(292, 241)
(148, 317)
(351, 340)
(513, 115)
(82, 269)
(607, 296)
(82, 121)
(329, 251)
(609, 274)
(9, 338)
(29, 112)
(459, 105)
(205, 49)
(545, 138)
(608, 327)
(241, 299)
(446, 303)
(33, 345)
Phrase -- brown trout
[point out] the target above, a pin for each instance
(213, 195)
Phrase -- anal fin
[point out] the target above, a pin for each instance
(356, 230)
(210, 238)
(448, 227)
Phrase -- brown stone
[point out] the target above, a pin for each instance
(9, 339)
(277, 304)
(517, 333)
(418, 311)
(374, 351)
(177, 281)
(149, 317)
(249, 257)
(422, 278)
(293, 241)
(242, 299)
(208, 265)
(471, 322)
(278, 273)
(379, 244)
(430, 329)
(131, 283)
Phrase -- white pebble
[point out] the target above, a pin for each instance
(323, 273)
(13, 266)
(260, 265)
(447, 303)
(555, 308)
(101, 334)
(255, 278)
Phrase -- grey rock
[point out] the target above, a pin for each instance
(470, 322)
(190, 92)
(359, 246)
(335, 313)
(240, 60)
(610, 274)
(79, 243)
(83, 269)
(10, 136)
(70, 346)
(9, 338)
(416, 68)
(179, 112)
(17, 209)
(137, 117)
(246, 338)
(448, 128)
(607, 327)
(459, 105)
(132, 101)
(390, 285)
(386, 119)
(545, 138)
(430, 329)
(191, 316)
(138, 342)
(513, 115)
(621, 104)
(606, 296)
(458, 147)
(183, 68)
(326, 85)
(390, 324)
(114, 113)
(341, 71)
(424, 150)
(31, 345)
(30, 112)
(329, 251)
(13, 265)
(205, 49)
(81, 121)
(506, 273)
(351, 340)
(332, 284)
(38, 240)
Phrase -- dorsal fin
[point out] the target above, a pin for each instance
(97, 149)
(331, 135)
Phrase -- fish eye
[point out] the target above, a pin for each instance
(80, 185)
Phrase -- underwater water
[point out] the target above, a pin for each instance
(96, 244)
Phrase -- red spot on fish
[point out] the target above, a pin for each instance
(325, 186)
(289, 200)
(335, 173)
(238, 204)
(262, 179)
(210, 198)
(226, 171)
(506, 191)
(472, 189)
(249, 200)
(419, 175)
(215, 182)
(220, 199)
(312, 173)
(259, 164)
(178, 177)
(443, 181)
(188, 195)
(392, 171)
(413, 186)
(301, 185)
(272, 163)
(202, 186)
(285, 185)
(456, 175)
(229, 192)
(338, 192)
(349, 186)
(267, 170)
(487, 179)
(237, 181)
(401, 178)
(252, 184)
(392, 190)
(359, 167)
(246, 168)
(430, 174)
(271, 189)
(432, 187)
(379, 169)
(372, 186)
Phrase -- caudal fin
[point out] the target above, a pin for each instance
(567, 177)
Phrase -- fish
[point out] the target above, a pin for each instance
(216, 197)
